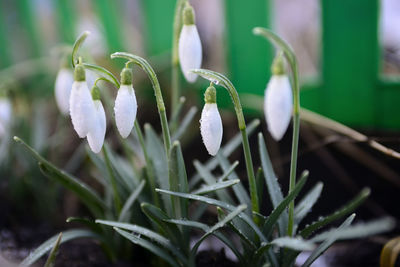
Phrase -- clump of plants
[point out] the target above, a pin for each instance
(149, 205)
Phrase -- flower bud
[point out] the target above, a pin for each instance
(81, 105)
(96, 135)
(62, 89)
(210, 123)
(278, 105)
(125, 108)
(5, 117)
(190, 50)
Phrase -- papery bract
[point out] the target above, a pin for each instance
(211, 128)
(190, 51)
(278, 105)
(96, 135)
(62, 89)
(125, 109)
(81, 108)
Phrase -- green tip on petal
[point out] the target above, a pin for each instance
(188, 15)
(210, 96)
(79, 73)
(126, 76)
(278, 65)
(95, 92)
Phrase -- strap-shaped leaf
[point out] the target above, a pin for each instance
(210, 179)
(83, 191)
(294, 243)
(215, 187)
(328, 242)
(124, 215)
(183, 125)
(87, 222)
(211, 201)
(307, 202)
(359, 230)
(271, 181)
(276, 213)
(348, 208)
(160, 218)
(53, 253)
(226, 150)
(149, 246)
(49, 244)
(147, 233)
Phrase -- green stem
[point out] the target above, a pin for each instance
(291, 58)
(157, 91)
(117, 201)
(77, 45)
(175, 83)
(104, 73)
(149, 166)
(218, 78)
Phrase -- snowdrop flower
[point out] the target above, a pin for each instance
(210, 122)
(125, 104)
(81, 105)
(5, 117)
(190, 51)
(97, 133)
(62, 88)
(278, 101)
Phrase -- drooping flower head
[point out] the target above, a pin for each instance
(125, 104)
(278, 101)
(81, 105)
(62, 88)
(210, 122)
(97, 134)
(190, 51)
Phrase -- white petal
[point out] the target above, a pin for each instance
(63, 85)
(81, 108)
(96, 135)
(278, 105)
(5, 116)
(125, 110)
(211, 128)
(190, 52)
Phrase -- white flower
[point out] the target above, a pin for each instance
(64, 80)
(125, 109)
(211, 128)
(81, 108)
(278, 105)
(5, 117)
(190, 51)
(96, 135)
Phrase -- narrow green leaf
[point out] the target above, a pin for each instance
(217, 226)
(87, 222)
(328, 242)
(260, 185)
(156, 152)
(271, 181)
(159, 217)
(359, 230)
(48, 245)
(239, 190)
(173, 122)
(183, 125)
(348, 208)
(53, 253)
(294, 243)
(307, 203)
(210, 179)
(124, 215)
(214, 187)
(178, 180)
(147, 233)
(84, 192)
(276, 213)
(148, 245)
(226, 150)
(221, 204)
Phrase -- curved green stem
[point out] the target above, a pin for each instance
(291, 58)
(102, 79)
(157, 91)
(175, 84)
(220, 79)
(106, 74)
(77, 45)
